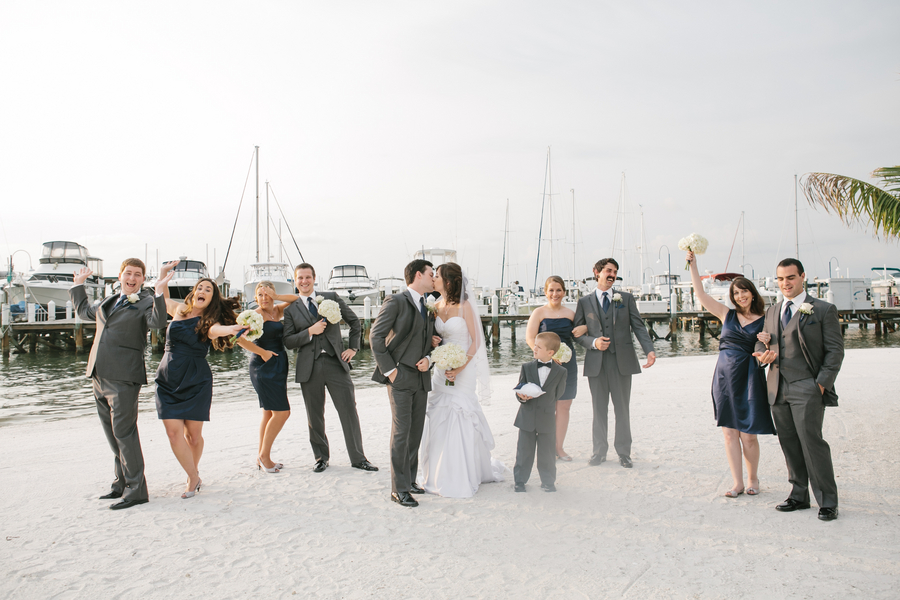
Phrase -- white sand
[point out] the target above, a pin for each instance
(660, 530)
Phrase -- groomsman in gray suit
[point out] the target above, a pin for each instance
(805, 350)
(401, 339)
(611, 317)
(323, 363)
(116, 368)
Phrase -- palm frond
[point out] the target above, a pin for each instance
(858, 202)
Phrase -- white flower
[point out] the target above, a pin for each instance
(564, 354)
(430, 306)
(695, 242)
(319, 299)
(617, 298)
(447, 357)
(806, 308)
(132, 298)
(330, 310)
(253, 321)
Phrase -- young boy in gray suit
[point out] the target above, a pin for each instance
(536, 418)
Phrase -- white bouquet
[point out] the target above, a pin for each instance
(447, 357)
(330, 310)
(253, 322)
(695, 243)
(563, 355)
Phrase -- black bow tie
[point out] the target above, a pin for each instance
(545, 364)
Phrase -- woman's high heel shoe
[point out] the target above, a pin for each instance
(262, 467)
(186, 495)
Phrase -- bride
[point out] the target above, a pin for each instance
(455, 454)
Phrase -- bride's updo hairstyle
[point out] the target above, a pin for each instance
(451, 273)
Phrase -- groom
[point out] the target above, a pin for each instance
(116, 368)
(611, 317)
(401, 341)
(805, 353)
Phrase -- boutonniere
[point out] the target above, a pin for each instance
(132, 298)
(319, 299)
(617, 298)
(806, 308)
(430, 306)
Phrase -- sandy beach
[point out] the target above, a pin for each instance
(660, 530)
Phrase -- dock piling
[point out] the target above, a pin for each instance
(495, 319)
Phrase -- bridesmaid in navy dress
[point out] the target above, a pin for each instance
(269, 371)
(183, 380)
(556, 318)
(740, 399)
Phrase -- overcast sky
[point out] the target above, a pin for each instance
(388, 126)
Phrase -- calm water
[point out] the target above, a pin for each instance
(51, 385)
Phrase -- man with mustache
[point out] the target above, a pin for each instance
(611, 317)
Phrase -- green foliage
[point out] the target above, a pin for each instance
(858, 202)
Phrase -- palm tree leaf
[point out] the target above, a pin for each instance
(858, 202)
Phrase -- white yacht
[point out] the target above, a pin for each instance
(279, 273)
(187, 273)
(55, 276)
(352, 284)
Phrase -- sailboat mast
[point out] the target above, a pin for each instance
(537, 262)
(743, 227)
(505, 243)
(257, 203)
(641, 208)
(796, 225)
(268, 250)
(574, 247)
(624, 271)
(550, 206)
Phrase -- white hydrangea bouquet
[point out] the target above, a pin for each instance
(251, 321)
(695, 243)
(330, 310)
(563, 355)
(447, 357)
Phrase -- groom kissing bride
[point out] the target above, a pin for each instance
(401, 340)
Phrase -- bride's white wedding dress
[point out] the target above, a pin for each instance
(455, 453)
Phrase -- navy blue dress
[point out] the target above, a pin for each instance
(183, 379)
(269, 379)
(563, 328)
(740, 398)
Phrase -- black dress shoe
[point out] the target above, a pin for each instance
(790, 505)
(364, 465)
(126, 504)
(520, 487)
(321, 465)
(828, 514)
(415, 488)
(597, 460)
(404, 499)
(625, 461)
(111, 496)
(548, 487)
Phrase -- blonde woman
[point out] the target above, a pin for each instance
(269, 371)
(556, 318)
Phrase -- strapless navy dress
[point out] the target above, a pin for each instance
(269, 379)
(563, 328)
(183, 379)
(740, 398)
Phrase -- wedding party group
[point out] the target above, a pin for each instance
(431, 357)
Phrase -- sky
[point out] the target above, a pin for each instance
(386, 127)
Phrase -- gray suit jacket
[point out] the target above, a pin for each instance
(120, 338)
(819, 338)
(626, 320)
(400, 337)
(539, 414)
(298, 320)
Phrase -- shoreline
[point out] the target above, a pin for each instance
(662, 529)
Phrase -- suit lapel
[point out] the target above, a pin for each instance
(595, 303)
(107, 305)
(612, 306)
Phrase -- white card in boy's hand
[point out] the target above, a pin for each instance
(532, 390)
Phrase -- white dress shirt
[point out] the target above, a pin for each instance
(543, 373)
(797, 301)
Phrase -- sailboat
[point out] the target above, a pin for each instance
(277, 272)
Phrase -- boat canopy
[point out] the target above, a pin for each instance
(349, 271)
(63, 252)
